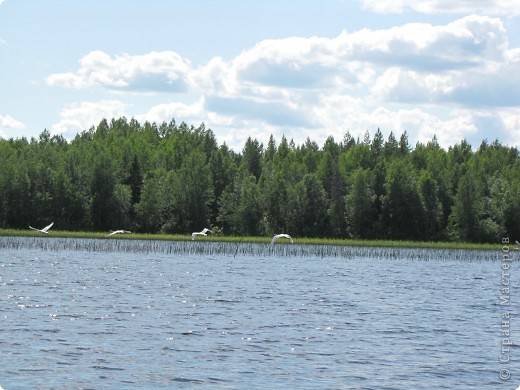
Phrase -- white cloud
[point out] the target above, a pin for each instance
(511, 123)
(81, 116)
(7, 122)
(450, 130)
(216, 75)
(346, 61)
(487, 7)
(496, 88)
(281, 113)
(190, 113)
(467, 42)
(492, 86)
(359, 115)
(155, 71)
(351, 82)
(291, 62)
(349, 62)
(417, 77)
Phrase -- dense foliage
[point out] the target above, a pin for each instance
(176, 179)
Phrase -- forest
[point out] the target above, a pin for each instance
(176, 178)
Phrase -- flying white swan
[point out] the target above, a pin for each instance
(118, 232)
(204, 232)
(44, 230)
(283, 235)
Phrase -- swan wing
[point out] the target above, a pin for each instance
(46, 228)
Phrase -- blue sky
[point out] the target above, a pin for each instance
(306, 68)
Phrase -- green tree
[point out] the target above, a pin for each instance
(309, 211)
(402, 213)
(310, 156)
(17, 210)
(360, 213)
(433, 214)
(404, 147)
(150, 210)
(270, 151)
(240, 211)
(377, 145)
(122, 206)
(176, 178)
(466, 212)
(275, 201)
(223, 170)
(252, 157)
(69, 206)
(512, 210)
(135, 180)
(330, 175)
(102, 191)
(391, 147)
(191, 195)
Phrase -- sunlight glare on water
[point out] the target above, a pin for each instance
(78, 319)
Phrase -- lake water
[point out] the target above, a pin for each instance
(75, 319)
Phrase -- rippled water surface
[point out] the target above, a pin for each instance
(78, 319)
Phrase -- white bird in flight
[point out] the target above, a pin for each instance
(204, 232)
(283, 235)
(45, 230)
(118, 232)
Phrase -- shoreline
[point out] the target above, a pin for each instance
(262, 239)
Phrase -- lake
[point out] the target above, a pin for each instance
(82, 319)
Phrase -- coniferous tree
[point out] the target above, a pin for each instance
(329, 174)
(102, 191)
(429, 192)
(464, 219)
(174, 178)
(402, 209)
(150, 211)
(135, 180)
(360, 212)
(391, 147)
(252, 157)
(309, 201)
(404, 147)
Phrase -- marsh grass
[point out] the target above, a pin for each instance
(237, 248)
(251, 240)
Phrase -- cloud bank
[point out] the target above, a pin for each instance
(8, 122)
(486, 7)
(426, 79)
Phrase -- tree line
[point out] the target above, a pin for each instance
(174, 178)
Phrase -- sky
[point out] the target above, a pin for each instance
(254, 68)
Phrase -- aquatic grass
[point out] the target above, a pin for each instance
(238, 248)
(255, 239)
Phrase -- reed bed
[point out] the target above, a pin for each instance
(236, 249)
(258, 239)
